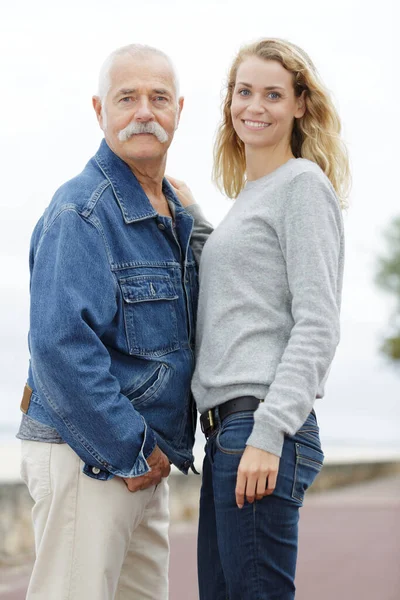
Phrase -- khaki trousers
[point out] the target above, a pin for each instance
(94, 539)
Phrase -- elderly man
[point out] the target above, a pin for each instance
(113, 300)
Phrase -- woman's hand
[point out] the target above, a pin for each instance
(182, 191)
(256, 476)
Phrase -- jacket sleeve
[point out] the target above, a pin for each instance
(201, 230)
(73, 302)
(310, 234)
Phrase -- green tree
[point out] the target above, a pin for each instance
(388, 279)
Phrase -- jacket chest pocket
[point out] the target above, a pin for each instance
(150, 314)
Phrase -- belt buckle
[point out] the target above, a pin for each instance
(210, 419)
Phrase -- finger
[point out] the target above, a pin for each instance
(166, 470)
(136, 485)
(251, 485)
(261, 486)
(175, 182)
(271, 485)
(240, 489)
(133, 487)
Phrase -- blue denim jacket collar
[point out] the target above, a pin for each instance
(134, 203)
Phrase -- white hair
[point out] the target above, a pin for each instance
(139, 50)
(133, 128)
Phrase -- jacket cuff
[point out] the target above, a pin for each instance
(140, 466)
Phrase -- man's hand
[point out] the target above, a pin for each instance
(256, 476)
(160, 468)
(182, 191)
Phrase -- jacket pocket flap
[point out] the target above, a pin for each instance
(142, 288)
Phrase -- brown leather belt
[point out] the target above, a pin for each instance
(208, 420)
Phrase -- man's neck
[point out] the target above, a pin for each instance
(150, 177)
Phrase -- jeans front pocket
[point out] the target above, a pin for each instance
(234, 432)
(150, 314)
(309, 463)
(35, 468)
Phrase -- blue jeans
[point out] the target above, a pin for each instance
(250, 554)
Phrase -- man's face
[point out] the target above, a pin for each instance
(142, 96)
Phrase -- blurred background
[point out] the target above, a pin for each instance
(50, 56)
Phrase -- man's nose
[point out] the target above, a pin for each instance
(143, 110)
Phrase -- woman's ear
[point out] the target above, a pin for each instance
(301, 105)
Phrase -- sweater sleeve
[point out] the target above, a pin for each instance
(310, 234)
(201, 230)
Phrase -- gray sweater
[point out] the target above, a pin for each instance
(270, 289)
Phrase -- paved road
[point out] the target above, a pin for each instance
(349, 548)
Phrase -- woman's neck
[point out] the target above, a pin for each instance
(262, 161)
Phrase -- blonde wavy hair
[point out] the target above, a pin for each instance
(315, 136)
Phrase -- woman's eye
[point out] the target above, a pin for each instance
(274, 95)
(244, 92)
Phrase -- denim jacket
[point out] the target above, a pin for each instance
(113, 304)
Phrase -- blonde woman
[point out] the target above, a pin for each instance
(268, 319)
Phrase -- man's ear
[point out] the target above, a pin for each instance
(301, 105)
(181, 102)
(96, 102)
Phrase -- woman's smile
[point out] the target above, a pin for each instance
(255, 124)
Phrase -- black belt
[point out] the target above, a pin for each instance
(208, 419)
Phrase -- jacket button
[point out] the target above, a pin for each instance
(161, 226)
(95, 470)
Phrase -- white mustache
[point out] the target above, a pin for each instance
(150, 127)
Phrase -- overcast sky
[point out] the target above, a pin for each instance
(50, 56)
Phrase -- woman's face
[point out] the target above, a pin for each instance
(264, 105)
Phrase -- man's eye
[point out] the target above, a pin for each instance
(160, 99)
(126, 99)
